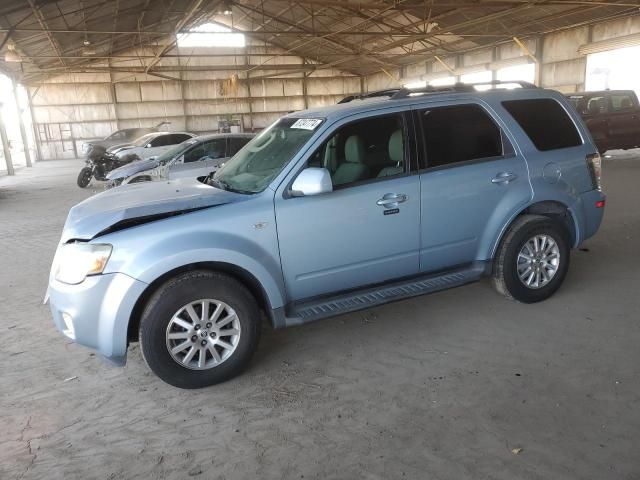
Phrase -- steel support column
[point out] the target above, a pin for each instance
(5, 145)
(34, 126)
(23, 132)
(540, 60)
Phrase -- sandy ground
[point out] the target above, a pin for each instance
(446, 386)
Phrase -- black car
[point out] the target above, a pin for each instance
(612, 116)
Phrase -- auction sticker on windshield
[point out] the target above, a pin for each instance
(307, 123)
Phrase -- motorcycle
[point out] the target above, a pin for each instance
(99, 163)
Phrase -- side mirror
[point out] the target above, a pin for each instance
(148, 145)
(312, 181)
(180, 159)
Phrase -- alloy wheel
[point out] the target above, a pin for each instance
(203, 334)
(538, 261)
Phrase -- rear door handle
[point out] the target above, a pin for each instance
(504, 177)
(391, 200)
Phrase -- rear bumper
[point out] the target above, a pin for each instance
(96, 312)
(591, 214)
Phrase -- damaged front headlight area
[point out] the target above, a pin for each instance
(76, 261)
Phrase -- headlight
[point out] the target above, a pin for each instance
(76, 261)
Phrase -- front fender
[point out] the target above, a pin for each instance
(147, 252)
(269, 282)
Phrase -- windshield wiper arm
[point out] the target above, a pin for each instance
(214, 182)
(222, 185)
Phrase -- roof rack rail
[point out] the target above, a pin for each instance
(389, 92)
(403, 92)
(457, 87)
(522, 83)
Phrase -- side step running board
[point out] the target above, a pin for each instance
(316, 309)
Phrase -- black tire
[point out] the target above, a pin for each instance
(84, 177)
(505, 270)
(171, 297)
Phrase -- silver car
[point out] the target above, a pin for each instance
(150, 145)
(193, 158)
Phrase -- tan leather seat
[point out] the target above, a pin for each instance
(353, 168)
(396, 154)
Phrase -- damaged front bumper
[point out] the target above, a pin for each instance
(96, 312)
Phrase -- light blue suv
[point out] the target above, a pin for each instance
(382, 197)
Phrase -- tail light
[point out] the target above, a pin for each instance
(594, 163)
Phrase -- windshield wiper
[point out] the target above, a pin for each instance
(222, 185)
(214, 182)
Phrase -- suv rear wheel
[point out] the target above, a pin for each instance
(199, 329)
(532, 260)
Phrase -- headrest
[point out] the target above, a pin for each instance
(354, 150)
(396, 146)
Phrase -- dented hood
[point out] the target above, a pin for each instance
(146, 201)
(133, 168)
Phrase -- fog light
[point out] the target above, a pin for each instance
(69, 331)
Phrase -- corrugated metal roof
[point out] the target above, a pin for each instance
(359, 37)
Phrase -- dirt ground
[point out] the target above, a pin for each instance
(462, 384)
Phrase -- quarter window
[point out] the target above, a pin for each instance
(545, 122)
(458, 134)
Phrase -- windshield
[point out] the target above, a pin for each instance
(176, 150)
(261, 160)
(143, 140)
(116, 135)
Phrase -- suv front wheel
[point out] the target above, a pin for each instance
(200, 328)
(532, 259)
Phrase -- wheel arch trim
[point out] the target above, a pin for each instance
(244, 276)
(547, 207)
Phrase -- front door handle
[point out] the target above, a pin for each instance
(391, 200)
(504, 177)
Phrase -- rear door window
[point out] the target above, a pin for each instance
(459, 133)
(545, 122)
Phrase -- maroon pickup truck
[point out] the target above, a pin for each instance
(612, 116)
